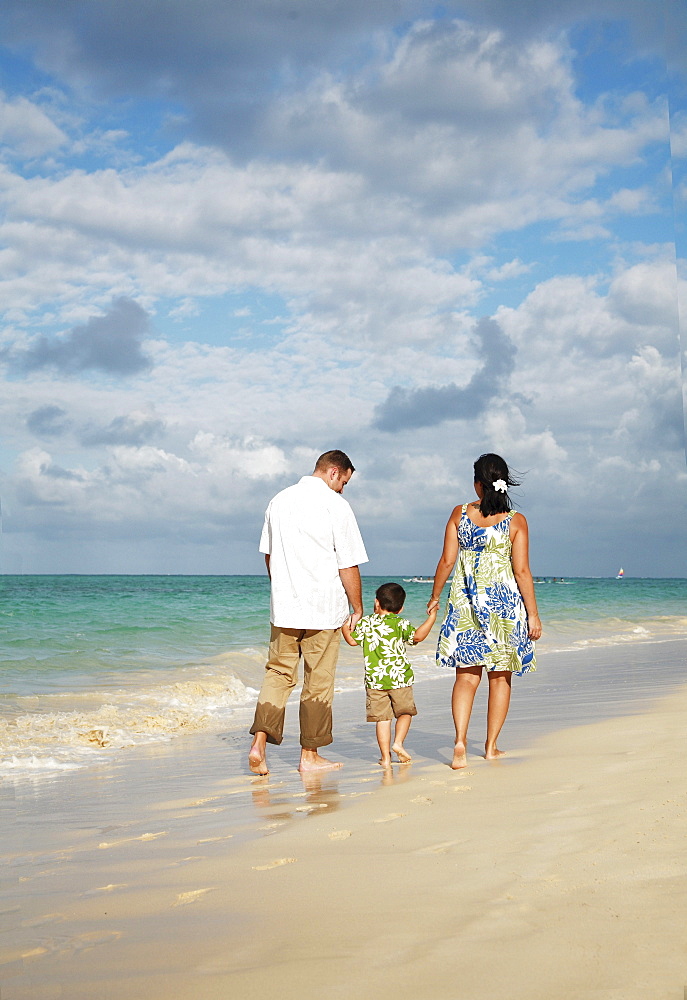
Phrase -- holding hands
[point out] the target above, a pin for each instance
(534, 626)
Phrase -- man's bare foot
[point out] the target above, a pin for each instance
(493, 753)
(311, 761)
(257, 762)
(384, 761)
(402, 754)
(460, 757)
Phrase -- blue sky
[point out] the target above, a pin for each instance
(234, 236)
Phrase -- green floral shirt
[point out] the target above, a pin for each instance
(384, 639)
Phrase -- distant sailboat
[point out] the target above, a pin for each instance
(620, 574)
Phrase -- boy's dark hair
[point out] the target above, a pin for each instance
(334, 459)
(391, 597)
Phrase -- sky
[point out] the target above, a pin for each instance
(238, 233)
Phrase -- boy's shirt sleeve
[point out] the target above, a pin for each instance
(407, 630)
(358, 633)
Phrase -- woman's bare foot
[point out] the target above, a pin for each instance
(460, 757)
(401, 752)
(311, 761)
(384, 761)
(257, 762)
(491, 753)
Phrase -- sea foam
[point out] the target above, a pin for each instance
(45, 739)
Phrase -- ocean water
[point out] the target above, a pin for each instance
(90, 665)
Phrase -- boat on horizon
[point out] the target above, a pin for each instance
(620, 574)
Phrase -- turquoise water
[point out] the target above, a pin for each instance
(59, 632)
(95, 662)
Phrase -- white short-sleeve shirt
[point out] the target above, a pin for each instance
(310, 533)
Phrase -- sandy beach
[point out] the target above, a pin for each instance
(559, 871)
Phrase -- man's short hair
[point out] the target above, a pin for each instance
(334, 460)
(391, 597)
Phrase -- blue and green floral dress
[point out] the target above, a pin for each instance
(486, 621)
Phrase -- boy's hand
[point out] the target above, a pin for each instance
(346, 630)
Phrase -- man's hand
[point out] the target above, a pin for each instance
(353, 619)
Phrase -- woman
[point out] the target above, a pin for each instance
(491, 616)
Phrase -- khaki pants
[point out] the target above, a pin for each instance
(320, 650)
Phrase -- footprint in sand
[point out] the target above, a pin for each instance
(422, 800)
(48, 918)
(10, 956)
(339, 834)
(83, 942)
(131, 840)
(274, 864)
(442, 848)
(184, 898)
(105, 888)
(461, 788)
(389, 818)
(445, 782)
(34, 953)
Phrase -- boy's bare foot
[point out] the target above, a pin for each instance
(402, 754)
(257, 762)
(460, 757)
(311, 761)
(493, 753)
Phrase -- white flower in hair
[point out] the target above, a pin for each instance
(500, 486)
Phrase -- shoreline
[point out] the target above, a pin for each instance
(151, 878)
(52, 735)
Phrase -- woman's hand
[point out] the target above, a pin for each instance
(534, 627)
(433, 602)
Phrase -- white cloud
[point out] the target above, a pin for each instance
(235, 426)
(678, 135)
(409, 171)
(646, 294)
(632, 201)
(378, 197)
(511, 269)
(459, 118)
(26, 130)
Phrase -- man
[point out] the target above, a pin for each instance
(312, 549)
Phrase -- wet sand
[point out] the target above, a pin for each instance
(559, 871)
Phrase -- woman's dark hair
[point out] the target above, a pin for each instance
(489, 469)
(391, 597)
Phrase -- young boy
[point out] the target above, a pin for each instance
(388, 674)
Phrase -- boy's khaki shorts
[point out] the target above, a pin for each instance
(383, 706)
